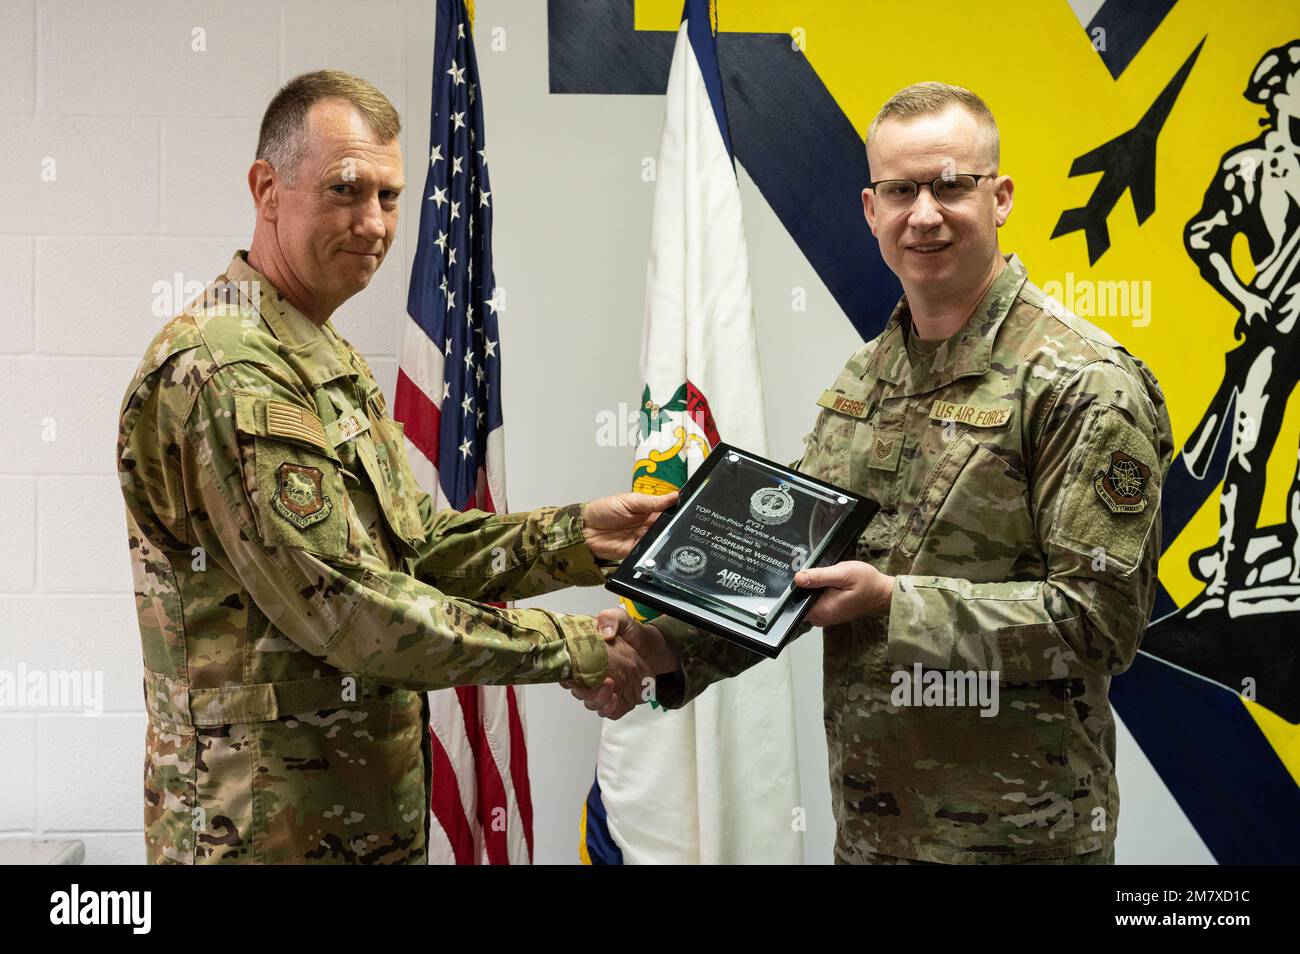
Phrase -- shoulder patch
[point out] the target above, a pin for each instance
(1122, 485)
(298, 495)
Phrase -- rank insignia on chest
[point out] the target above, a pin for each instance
(351, 424)
(349, 428)
(1121, 486)
(298, 495)
(882, 448)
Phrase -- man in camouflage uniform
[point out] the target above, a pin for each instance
(1017, 454)
(296, 590)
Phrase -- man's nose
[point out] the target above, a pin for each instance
(926, 211)
(370, 221)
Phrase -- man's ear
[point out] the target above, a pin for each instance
(1003, 195)
(869, 209)
(265, 189)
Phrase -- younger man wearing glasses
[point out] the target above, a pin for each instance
(1017, 454)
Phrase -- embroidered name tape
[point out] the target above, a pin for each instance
(972, 414)
(843, 403)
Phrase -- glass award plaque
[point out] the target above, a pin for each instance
(724, 558)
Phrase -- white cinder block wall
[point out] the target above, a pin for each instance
(126, 129)
(133, 123)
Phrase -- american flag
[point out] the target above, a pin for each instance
(449, 399)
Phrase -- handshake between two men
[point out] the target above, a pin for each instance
(639, 652)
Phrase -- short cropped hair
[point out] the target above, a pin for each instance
(930, 98)
(283, 138)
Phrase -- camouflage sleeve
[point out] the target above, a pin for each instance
(269, 501)
(1095, 497)
(511, 556)
(704, 657)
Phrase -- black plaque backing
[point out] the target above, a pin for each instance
(724, 558)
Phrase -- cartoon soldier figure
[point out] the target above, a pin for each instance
(1256, 192)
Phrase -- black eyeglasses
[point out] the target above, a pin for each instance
(897, 195)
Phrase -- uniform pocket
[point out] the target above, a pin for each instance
(844, 408)
(1111, 491)
(935, 491)
(169, 793)
(406, 490)
(393, 485)
(971, 518)
(832, 441)
(302, 502)
(291, 477)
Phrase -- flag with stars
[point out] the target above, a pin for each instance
(449, 400)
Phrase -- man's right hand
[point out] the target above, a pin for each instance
(637, 653)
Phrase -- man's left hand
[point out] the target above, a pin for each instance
(852, 589)
(613, 525)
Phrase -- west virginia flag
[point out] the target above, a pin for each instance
(1155, 149)
(716, 781)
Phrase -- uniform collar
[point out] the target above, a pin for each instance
(968, 351)
(315, 353)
